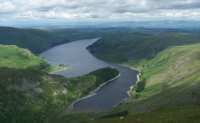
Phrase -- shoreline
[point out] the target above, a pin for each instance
(138, 77)
(71, 107)
(93, 92)
(57, 68)
(132, 86)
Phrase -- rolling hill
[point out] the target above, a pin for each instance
(39, 40)
(35, 40)
(168, 90)
(13, 57)
(173, 76)
(126, 44)
(171, 93)
(30, 94)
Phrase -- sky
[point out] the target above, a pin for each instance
(30, 11)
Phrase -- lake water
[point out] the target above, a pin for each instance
(81, 61)
(75, 56)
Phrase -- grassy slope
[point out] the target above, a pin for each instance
(175, 71)
(171, 73)
(14, 57)
(29, 94)
(172, 92)
(157, 91)
(171, 95)
(188, 114)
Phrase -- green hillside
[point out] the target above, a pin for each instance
(35, 40)
(173, 76)
(30, 94)
(168, 90)
(13, 57)
(38, 40)
(171, 91)
(122, 45)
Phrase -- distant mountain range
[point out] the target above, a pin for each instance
(106, 24)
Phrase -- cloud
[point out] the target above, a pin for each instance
(100, 9)
(175, 4)
(7, 7)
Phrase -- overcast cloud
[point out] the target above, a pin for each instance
(99, 9)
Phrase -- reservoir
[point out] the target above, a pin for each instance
(81, 62)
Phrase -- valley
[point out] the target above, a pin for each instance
(30, 94)
(99, 61)
(41, 86)
(81, 62)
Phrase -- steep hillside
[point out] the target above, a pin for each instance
(137, 44)
(172, 88)
(13, 57)
(35, 40)
(38, 40)
(30, 94)
(170, 92)
(171, 78)
(27, 93)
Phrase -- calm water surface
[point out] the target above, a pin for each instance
(75, 56)
(81, 62)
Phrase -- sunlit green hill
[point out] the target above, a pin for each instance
(13, 57)
(30, 94)
(172, 76)
(172, 89)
